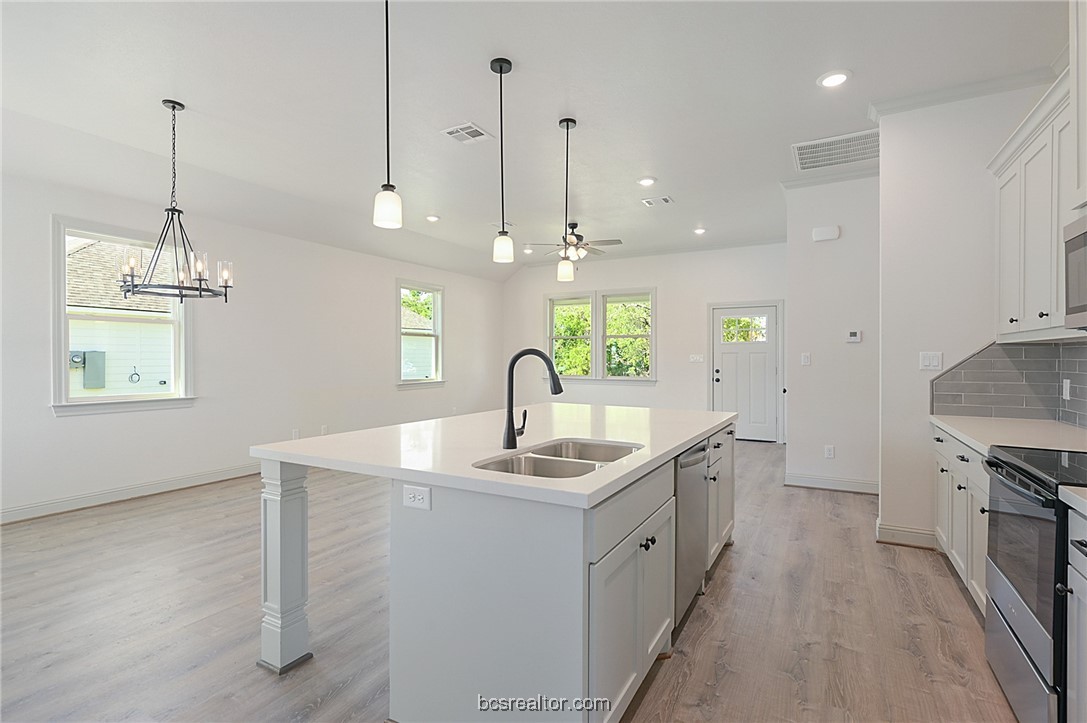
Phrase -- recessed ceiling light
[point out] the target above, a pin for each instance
(647, 181)
(527, 250)
(700, 231)
(433, 219)
(834, 78)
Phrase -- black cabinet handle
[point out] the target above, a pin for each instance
(983, 511)
(962, 458)
(959, 487)
(1064, 589)
(1043, 314)
(653, 540)
(645, 545)
(1012, 320)
(943, 470)
(938, 439)
(730, 432)
(717, 445)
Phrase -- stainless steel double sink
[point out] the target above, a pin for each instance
(560, 458)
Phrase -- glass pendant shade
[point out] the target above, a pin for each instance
(388, 211)
(503, 248)
(566, 270)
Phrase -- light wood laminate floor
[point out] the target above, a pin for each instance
(149, 610)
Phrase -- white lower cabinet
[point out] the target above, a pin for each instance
(961, 528)
(721, 476)
(1076, 688)
(631, 600)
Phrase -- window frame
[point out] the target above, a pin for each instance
(437, 334)
(63, 404)
(598, 333)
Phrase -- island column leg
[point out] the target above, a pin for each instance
(284, 559)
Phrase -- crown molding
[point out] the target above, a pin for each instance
(868, 170)
(1060, 63)
(1039, 76)
(1047, 108)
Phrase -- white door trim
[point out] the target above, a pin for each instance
(779, 304)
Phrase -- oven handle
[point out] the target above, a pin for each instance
(994, 472)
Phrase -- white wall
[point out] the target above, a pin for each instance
(686, 284)
(833, 288)
(308, 339)
(937, 276)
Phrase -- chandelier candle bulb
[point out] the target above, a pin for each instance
(226, 274)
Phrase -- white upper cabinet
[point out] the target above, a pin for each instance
(1036, 174)
(1077, 66)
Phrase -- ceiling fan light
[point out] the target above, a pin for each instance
(582, 252)
(565, 270)
(388, 210)
(502, 252)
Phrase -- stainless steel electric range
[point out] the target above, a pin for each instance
(1026, 573)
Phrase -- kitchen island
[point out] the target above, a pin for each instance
(513, 591)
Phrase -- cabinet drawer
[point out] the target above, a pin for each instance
(615, 518)
(966, 459)
(718, 441)
(1077, 531)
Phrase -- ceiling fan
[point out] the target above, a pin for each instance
(574, 246)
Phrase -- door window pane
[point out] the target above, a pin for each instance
(742, 329)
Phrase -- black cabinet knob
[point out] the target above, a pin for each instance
(1063, 589)
(959, 487)
(717, 445)
(1043, 314)
(983, 511)
(652, 540)
(938, 439)
(943, 470)
(962, 458)
(713, 478)
(1012, 320)
(716, 371)
(644, 545)
(730, 432)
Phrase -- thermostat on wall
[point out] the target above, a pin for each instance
(853, 337)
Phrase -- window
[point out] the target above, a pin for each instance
(112, 349)
(420, 316)
(571, 336)
(603, 335)
(743, 329)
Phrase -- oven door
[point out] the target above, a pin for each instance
(1022, 549)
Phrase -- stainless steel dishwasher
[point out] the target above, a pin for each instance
(692, 526)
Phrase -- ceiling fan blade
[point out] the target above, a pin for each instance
(591, 250)
(606, 242)
(552, 253)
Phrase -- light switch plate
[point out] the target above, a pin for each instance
(805, 358)
(417, 497)
(932, 361)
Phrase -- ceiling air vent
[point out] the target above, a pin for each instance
(661, 201)
(837, 150)
(466, 133)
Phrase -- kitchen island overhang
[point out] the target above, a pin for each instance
(494, 568)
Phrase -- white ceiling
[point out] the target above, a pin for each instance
(285, 126)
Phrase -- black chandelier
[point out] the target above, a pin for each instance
(192, 268)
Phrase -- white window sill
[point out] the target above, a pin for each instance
(421, 384)
(75, 409)
(608, 380)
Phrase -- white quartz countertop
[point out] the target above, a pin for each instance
(1074, 497)
(441, 452)
(980, 433)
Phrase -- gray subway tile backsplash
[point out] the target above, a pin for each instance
(1020, 381)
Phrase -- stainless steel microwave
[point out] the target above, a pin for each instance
(1075, 274)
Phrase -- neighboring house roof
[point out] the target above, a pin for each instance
(411, 319)
(93, 272)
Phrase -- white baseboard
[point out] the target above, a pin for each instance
(75, 502)
(832, 483)
(912, 536)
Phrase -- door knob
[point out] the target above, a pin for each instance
(1012, 320)
(1063, 589)
(717, 379)
(1043, 314)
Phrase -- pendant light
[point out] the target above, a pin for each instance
(191, 268)
(502, 251)
(388, 211)
(568, 251)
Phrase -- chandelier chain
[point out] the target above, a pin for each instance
(173, 158)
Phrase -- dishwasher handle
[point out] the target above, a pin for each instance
(693, 457)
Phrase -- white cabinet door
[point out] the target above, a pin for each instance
(960, 521)
(726, 494)
(1039, 267)
(1077, 646)
(615, 624)
(658, 586)
(713, 513)
(1077, 71)
(1009, 253)
(942, 472)
(979, 544)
